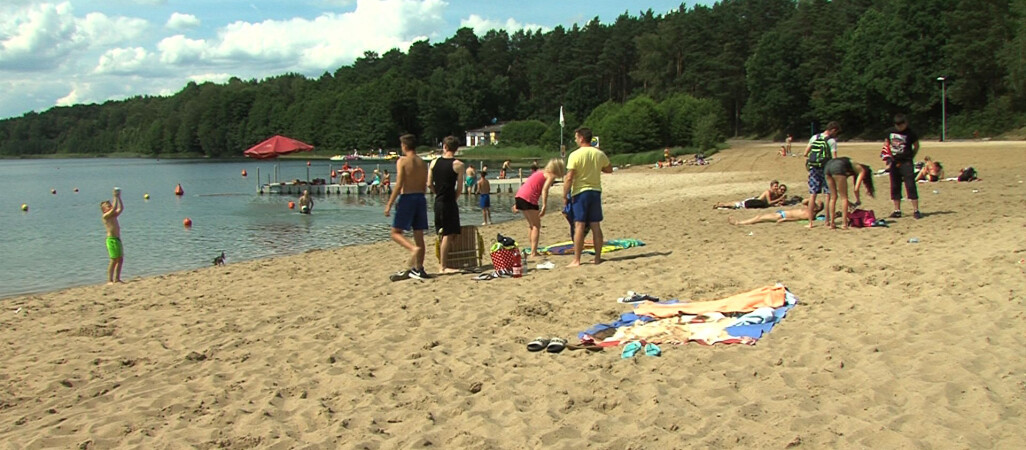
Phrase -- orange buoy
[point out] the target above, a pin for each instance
(292, 205)
(333, 174)
(358, 175)
(178, 189)
(308, 164)
(243, 172)
(187, 222)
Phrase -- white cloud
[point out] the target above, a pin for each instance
(480, 25)
(179, 21)
(212, 77)
(42, 36)
(124, 61)
(178, 50)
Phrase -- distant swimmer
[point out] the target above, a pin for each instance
(306, 203)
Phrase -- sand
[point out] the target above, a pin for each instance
(894, 345)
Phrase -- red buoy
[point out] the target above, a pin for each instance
(187, 222)
(178, 189)
(333, 174)
(243, 172)
(292, 205)
(308, 164)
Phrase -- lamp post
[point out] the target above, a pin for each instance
(944, 114)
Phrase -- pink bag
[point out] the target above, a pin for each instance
(861, 218)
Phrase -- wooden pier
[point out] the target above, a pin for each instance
(507, 186)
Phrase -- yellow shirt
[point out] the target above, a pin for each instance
(587, 164)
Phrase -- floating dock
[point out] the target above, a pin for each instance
(507, 186)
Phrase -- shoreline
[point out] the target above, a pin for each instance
(320, 350)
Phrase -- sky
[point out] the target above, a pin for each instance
(60, 53)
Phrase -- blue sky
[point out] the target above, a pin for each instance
(65, 52)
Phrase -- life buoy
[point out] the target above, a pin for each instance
(179, 191)
(358, 175)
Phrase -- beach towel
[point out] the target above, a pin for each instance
(705, 322)
(567, 247)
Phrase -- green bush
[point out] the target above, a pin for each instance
(523, 132)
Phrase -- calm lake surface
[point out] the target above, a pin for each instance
(59, 242)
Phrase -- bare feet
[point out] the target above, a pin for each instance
(448, 270)
(809, 226)
(598, 261)
(574, 264)
(731, 220)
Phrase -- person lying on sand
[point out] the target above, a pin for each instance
(782, 215)
(771, 197)
(932, 171)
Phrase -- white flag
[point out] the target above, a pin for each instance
(561, 122)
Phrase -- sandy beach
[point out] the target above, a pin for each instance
(893, 344)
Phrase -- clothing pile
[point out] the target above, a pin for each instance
(740, 319)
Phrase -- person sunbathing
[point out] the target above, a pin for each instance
(932, 171)
(781, 215)
(773, 196)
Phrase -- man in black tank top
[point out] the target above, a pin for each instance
(444, 180)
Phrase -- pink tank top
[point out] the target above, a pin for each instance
(532, 187)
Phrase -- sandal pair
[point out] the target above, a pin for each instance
(554, 345)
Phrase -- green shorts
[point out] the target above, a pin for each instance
(114, 248)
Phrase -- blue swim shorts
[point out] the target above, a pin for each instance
(817, 181)
(587, 207)
(410, 212)
(485, 201)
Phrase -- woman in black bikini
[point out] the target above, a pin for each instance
(837, 171)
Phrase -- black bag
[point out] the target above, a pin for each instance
(968, 174)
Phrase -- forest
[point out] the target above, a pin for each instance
(688, 78)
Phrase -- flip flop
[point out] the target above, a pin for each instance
(484, 277)
(653, 350)
(537, 345)
(632, 348)
(556, 345)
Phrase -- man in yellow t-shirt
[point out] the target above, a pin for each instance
(582, 191)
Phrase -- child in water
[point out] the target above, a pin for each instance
(485, 201)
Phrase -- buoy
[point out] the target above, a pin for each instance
(76, 189)
(333, 174)
(53, 191)
(292, 205)
(178, 189)
(243, 172)
(308, 164)
(358, 175)
(187, 222)
(24, 207)
(146, 196)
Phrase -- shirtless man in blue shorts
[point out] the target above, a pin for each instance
(410, 208)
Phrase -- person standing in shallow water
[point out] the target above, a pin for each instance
(444, 180)
(410, 207)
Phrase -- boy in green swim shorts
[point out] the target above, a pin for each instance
(114, 249)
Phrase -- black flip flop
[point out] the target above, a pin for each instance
(538, 344)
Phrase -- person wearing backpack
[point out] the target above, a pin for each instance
(903, 144)
(822, 148)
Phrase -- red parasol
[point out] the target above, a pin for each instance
(275, 147)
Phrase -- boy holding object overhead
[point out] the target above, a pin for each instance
(111, 210)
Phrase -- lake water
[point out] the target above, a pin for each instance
(59, 242)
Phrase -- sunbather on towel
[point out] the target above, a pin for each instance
(781, 215)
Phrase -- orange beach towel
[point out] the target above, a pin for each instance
(769, 296)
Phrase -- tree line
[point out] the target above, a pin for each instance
(685, 78)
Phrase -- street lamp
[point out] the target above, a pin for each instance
(944, 114)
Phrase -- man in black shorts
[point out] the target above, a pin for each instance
(444, 180)
(903, 144)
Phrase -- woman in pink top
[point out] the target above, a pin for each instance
(536, 188)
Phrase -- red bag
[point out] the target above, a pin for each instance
(861, 218)
(507, 259)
